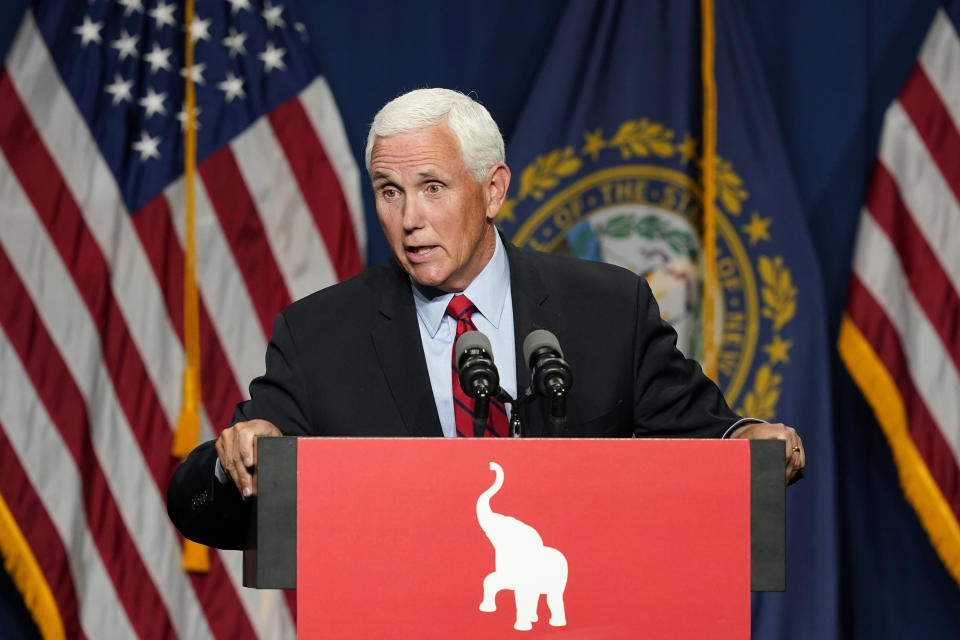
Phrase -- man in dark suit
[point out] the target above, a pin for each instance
(371, 356)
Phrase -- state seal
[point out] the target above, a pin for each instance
(644, 214)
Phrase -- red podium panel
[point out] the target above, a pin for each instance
(651, 536)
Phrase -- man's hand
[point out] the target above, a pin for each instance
(237, 450)
(796, 458)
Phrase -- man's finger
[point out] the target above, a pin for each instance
(243, 451)
(248, 448)
(225, 451)
(796, 458)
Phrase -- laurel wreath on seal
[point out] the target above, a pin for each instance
(545, 173)
(780, 306)
(634, 139)
(651, 228)
(643, 138)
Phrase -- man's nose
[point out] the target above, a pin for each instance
(412, 215)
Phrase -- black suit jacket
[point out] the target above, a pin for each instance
(348, 361)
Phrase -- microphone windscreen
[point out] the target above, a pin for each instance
(539, 339)
(472, 340)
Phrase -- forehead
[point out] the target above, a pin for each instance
(428, 149)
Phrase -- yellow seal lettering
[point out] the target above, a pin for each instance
(569, 214)
(629, 190)
(727, 361)
(733, 322)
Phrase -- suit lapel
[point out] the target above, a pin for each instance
(533, 308)
(396, 338)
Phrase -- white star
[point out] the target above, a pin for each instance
(130, 6)
(232, 87)
(195, 72)
(234, 42)
(89, 31)
(237, 5)
(302, 30)
(153, 102)
(147, 147)
(163, 14)
(271, 14)
(199, 29)
(120, 90)
(272, 58)
(126, 45)
(158, 58)
(182, 117)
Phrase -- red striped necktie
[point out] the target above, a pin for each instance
(461, 310)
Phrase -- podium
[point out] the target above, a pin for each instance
(490, 538)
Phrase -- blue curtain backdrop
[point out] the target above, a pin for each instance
(828, 71)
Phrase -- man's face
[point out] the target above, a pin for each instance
(437, 218)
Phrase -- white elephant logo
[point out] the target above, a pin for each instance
(523, 564)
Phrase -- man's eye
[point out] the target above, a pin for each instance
(434, 188)
(389, 193)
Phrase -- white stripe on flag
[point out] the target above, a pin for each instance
(266, 608)
(321, 109)
(67, 137)
(939, 57)
(935, 378)
(224, 292)
(296, 244)
(65, 314)
(923, 188)
(51, 470)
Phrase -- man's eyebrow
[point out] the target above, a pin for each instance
(380, 175)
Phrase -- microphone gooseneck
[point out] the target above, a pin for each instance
(552, 376)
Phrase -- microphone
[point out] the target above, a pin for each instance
(479, 378)
(552, 377)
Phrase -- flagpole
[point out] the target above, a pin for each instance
(196, 557)
(708, 176)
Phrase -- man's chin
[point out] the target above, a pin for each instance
(425, 277)
(426, 280)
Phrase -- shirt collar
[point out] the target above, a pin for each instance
(488, 292)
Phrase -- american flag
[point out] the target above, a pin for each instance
(900, 336)
(92, 230)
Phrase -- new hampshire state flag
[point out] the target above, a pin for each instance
(607, 160)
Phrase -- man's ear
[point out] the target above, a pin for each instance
(498, 181)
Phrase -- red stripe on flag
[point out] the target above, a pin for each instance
(55, 206)
(41, 534)
(929, 282)
(244, 232)
(162, 247)
(65, 404)
(319, 184)
(160, 244)
(220, 601)
(290, 595)
(876, 327)
(925, 108)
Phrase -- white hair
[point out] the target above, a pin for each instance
(481, 144)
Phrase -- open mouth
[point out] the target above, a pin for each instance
(419, 251)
